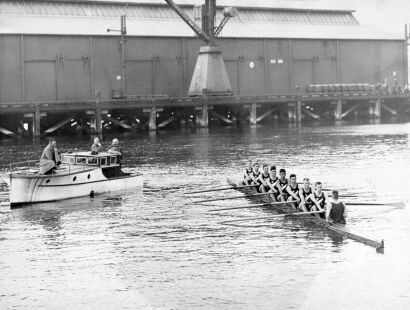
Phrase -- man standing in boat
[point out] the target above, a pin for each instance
(49, 159)
(336, 210)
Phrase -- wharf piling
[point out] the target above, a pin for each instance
(156, 113)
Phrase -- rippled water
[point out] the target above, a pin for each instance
(157, 250)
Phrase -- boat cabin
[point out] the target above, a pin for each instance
(103, 159)
(110, 163)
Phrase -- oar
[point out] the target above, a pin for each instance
(233, 197)
(271, 217)
(221, 189)
(398, 204)
(254, 206)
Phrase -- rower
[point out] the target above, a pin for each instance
(246, 174)
(319, 200)
(263, 179)
(273, 184)
(305, 196)
(293, 191)
(255, 175)
(282, 185)
(336, 210)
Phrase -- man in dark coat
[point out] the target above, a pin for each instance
(49, 159)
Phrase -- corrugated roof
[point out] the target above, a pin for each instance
(67, 18)
(147, 11)
(279, 4)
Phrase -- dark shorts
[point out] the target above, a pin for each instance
(309, 205)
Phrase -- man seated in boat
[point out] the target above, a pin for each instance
(263, 179)
(115, 148)
(319, 200)
(283, 184)
(336, 210)
(246, 174)
(96, 147)
(50, 159)
(255, 175)
(305, 194)
(293, 191)
(273, 185)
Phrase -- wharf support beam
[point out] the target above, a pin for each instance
(152, 117)
(375, 108)
(202, 116)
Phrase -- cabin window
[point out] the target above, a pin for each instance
(67, 159)
(113, 160)
(81, 160)
(92, 160)
(103, 161)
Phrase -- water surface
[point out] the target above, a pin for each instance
(156, 250)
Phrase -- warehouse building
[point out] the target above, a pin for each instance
(61, 50)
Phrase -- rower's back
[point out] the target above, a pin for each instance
(336, 213)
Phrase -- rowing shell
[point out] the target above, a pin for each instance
(337, 228)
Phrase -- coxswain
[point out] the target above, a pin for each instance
(96, 147)
(293, 191)
(50, 159)
(336, 210)
(273, 184)
(305, 194)
(263, 179)
(283, 184)
(319, 200)
(246, 174)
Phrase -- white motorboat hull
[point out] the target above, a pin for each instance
(33, 188)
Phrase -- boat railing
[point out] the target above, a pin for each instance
(24, 165)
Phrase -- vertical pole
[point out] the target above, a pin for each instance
(152, 125)
(91, 59)
(211, 19)
(290, 66)
(253, 114)
(123, 34)
(338, 110)
(265, 65)
(184, 90)
(299, 111)
(22, 76)
(338, 61)
(36, 120)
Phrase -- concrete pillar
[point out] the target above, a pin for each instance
(291, 112)
(299, 111)
(338, 110)
(152, 119)
(253, 116)
(377, 108)
(202, 118)
(36, 120)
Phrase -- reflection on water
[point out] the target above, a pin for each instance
(157, 250)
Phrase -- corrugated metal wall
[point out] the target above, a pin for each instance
(39, 68)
